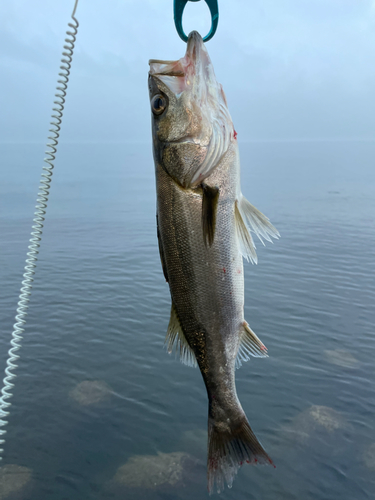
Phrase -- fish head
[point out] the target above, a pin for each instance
(191, 124)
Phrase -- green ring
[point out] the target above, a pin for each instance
(178, 8)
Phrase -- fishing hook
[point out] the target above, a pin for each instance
(178, 8)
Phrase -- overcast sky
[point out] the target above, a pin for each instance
(291, 69)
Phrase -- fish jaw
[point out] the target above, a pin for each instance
(196, 129)
(193, 72)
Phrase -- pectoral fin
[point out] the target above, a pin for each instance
(161, 251)
(209, 209)
(248, 218)
(176, 341)
(250, 345)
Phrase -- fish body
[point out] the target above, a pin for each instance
(203, 224)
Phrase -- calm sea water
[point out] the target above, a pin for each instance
(100, 308)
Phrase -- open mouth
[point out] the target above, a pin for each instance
(166, 68)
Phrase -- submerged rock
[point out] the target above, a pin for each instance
(341, 357)
(91, 392)
(369, 457)
(13, 480)
(314, 419)
(327, 417)
(153, 471)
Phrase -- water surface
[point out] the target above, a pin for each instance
(100, 308)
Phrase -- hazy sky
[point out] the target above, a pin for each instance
(291, 69)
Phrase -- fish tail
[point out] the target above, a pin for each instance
(229, 447)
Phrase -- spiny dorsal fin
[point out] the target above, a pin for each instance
(247, 247)
(209, 208)
(248, 218)
(258, 222)
(161, 251)
(250, 345)
(175, 340)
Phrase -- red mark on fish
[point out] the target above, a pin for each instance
(235, 134)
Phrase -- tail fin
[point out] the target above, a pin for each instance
(228, 449)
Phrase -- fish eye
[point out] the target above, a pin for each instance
(158, 104)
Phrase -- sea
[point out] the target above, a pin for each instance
(101, 411)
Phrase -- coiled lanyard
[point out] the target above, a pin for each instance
(36, 234)
(179, 6)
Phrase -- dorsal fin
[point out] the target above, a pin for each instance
(248, 218)
(246, 243)
(209, 208)
(257, 222)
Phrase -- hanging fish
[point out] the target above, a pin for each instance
(203, 228)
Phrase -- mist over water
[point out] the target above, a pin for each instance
(100, 309)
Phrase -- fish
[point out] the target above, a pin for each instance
(204, 227)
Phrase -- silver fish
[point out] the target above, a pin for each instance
(203, 226)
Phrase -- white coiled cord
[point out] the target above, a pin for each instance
(36, 234)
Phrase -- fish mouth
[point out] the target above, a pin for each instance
(195, 61)
(196, 51)
(193, 71)
(167, 68)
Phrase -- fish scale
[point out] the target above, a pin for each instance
(206, 298)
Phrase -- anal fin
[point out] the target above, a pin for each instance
(250, 345)
(209, 208)
(175, 340)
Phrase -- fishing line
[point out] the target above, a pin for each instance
(36, 234)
